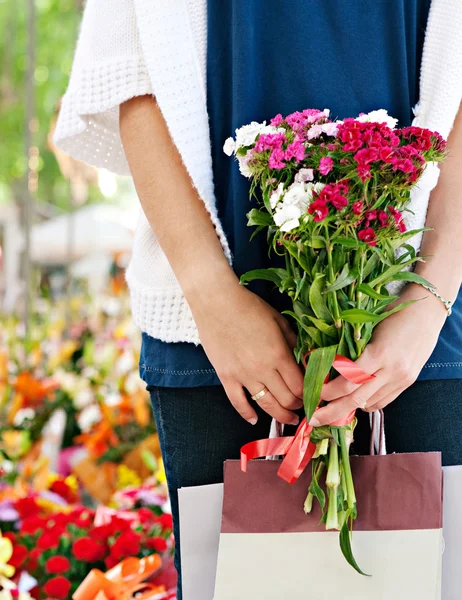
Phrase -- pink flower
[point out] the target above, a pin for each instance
(276, 159)
(277, 120)
(319, 209)
(383, 218)
(326, 165)
(398, 218)
(296, 150)
(357, 208)
(367, 236)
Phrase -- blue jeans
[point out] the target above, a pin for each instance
(199, 429)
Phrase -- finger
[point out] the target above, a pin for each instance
(292, 376)
(340, 387)
(238, 399)
(389, 399)
(271, 406)
(385, 392)
(287, 331)
(278, 388)
(342, 407)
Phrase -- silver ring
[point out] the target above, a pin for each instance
(264, 391)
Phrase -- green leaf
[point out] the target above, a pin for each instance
(296, 250)
(259, 217)
(410, 276)
(329, 330)
(149, 460)
(357, 315)
(345, 278)
(370, 265)
(318, 266)
(346, 242)
(317, 301)
(389, 274)
(345, 545)
(400, 241)
(319, 364)
(366, 289)
(318, 493)
(343, 346)
(272, 274)
(347, 329)
(314, 333)
(316, 241)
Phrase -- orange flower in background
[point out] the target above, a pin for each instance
(34, 390)
(99, 440)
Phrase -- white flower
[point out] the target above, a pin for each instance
(22, 415)
(314, 132)
(229, 146)
(287, 217)
(330, 128)
(245, 135)
(133, 382)
(88, 417)
(125, 363)
(272, 129)
(378, 116)
(276, 195)
(244, 166)
(304, 175)
(326, 111)
(83, 398)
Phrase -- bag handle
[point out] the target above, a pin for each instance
(377, 446)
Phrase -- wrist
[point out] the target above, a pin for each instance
(209, 285)
(431, 307)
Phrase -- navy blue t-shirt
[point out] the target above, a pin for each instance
(271, 57)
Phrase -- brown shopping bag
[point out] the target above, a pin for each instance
(270, 549)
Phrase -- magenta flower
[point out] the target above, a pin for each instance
(326, 165)
(368, 236)
(319, 210)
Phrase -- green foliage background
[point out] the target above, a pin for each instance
(57, 23)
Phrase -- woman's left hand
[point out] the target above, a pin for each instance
(400, 347)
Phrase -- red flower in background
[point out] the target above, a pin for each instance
(58, 587)
(166, 520)
(157, 543)
(26, 507)
(57, 564)
(19, 556)
(32, 560)
(62, 489)
(49, 539)
(87, 550)
(31, 525)
(127, 544)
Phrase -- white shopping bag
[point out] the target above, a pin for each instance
(200, 517)
(200, 521)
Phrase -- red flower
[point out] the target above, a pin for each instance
(110, 562)
(87, 550)
(62, 489)
(31, 525)
(58, 587)
(367, 236)
(357, 208)
(10, 535)
(49, 539)
(20, 553)
(383, 218)
(319, 209)
(339, 201)
(57, 564)
(166, 520)
(398, 218)
(146, 515)
(127, 544)
(157, 543)
(32, 560)
(26, 507)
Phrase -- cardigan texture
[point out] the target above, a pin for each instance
(128, 48)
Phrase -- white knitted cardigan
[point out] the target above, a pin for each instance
(133, 47)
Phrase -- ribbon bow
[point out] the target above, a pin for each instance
(299, 449)
(122, 581)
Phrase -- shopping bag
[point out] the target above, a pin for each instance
(270, 549)
(200, 519)
(452, 534)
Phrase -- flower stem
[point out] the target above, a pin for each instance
(333, 295)
(332, 511)
(358, 326)
(332, 483)
(350, 489)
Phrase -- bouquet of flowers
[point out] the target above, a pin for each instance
(332, 198)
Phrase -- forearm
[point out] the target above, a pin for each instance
(443, 245)
(170, 202)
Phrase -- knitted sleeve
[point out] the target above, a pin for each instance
(108, 69)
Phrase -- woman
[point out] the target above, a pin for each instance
(152, 94)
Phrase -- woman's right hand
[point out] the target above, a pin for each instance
(250, 345)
